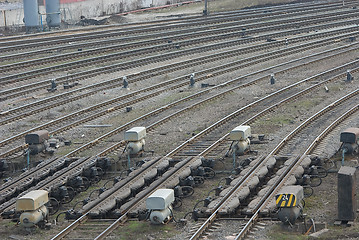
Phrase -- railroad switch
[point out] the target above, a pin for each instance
(243, 33)
(192, 80)
(219, 189)
(125, 82)
(3, 165)
(272, 79)
(178, 191)
(229, 180)
(183, 191)
(204, 85)
(238, 170)
(72, 214)
(135, 138)
(240, 142)
(207, 201)
(188, 181)
(289, 203)
(104, 163)
(70, 85)
(208, 162)
(352, 39)
(53, 86)
(326, 89)
(349, 76)
(159, 204)
(32, 208)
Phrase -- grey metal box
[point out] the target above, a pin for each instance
(135, 134)
(350, 135)
(37, 137)
(347, 203)
(290, 196)
(160, 199)
(32, 200)
(240, 133)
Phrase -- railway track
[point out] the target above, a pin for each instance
(111, 57)
(163, 69)
(231, 25)
(244, 14)
(167, 182)
(24, 89)
(146, 116)
(186, 155)
(11, 187)
(263, 204)
(270, 193)
(202, 75)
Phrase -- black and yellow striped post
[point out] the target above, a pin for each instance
(286, 200)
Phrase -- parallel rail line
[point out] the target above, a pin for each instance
(164, 69)
(92, 143)
(110, 57)
(13, 92)
(219, 70)
(270, 195)
(253, 26)
(292, 8)
(210, 220)
(171, 154)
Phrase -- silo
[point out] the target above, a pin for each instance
(53, 13)
(31, 14)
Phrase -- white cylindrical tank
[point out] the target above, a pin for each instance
(289, 215)
(53, 13)
(31, 218)
(135, 147)
(241, 146)
(161, 216)
(31, 13)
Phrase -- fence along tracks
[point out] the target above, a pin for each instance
(125, 209)
(213, 71)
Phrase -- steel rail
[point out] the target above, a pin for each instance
(178, 112)
(279, 146)
(80, 112)
(118, 80)
(170, 36)
(255, 13)
(173, 152)
(111, 57)
(69, 116)
(27, 88)
(87, 36)
(282, 180)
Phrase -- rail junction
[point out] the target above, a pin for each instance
(288, 71)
